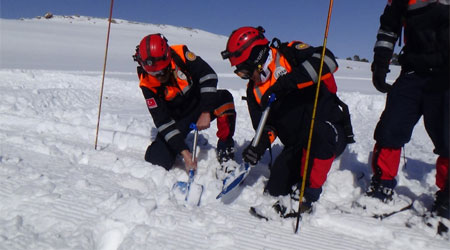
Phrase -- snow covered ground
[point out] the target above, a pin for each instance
(58, 192)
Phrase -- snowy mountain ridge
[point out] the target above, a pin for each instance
(114, 21)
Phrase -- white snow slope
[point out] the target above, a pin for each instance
(58, 192)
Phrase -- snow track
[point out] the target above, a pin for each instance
(252, 233)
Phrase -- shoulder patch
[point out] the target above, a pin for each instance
(151, 103)
(190, 55)
(301, 46)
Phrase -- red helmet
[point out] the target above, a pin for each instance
(153, 53)
(241, 42)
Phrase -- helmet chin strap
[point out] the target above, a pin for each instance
(264, 71)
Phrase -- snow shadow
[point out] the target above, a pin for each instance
(203, 145)
(361, 172)
(416, 169)
(410, 170)
(260, 169)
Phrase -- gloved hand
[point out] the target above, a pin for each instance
(379, 72)
(253, 154)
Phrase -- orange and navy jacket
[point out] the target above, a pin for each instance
(294, 84)
(192, 83)
(426, 34)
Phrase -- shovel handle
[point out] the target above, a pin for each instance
(191, 176)
(262, 121)
(194, 144)
(194, 152)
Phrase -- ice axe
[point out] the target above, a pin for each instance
(189, 191)
(239, 174)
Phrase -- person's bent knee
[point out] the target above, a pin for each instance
(159, 158)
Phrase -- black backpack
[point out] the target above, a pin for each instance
(294, 59)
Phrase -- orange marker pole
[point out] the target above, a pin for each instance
(308, 148)
(103, 77)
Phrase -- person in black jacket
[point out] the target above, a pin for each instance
(180, 88)
(290, 71)
(420, 90)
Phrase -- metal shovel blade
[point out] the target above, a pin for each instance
(234, 179)
(194, 195)
(239, 174)
(188, 192)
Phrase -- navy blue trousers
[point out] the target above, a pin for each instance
(412, 97)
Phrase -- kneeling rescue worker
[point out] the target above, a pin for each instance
(180, 88)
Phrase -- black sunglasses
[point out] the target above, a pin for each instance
(243, 74)
(245, 70)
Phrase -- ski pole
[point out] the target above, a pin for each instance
(308, 148)
(103, 76)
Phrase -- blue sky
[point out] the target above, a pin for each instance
(353, 27)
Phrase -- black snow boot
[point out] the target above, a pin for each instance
(225, 151)
(441, 204)
(381, 189)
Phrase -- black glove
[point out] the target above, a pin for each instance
(253, 154)
(379, 72)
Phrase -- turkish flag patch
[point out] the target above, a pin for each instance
(151, 103)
